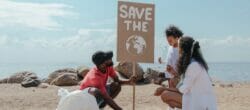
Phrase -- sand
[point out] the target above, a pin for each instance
(15, 97)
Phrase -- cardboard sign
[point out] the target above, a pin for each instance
(135, 32)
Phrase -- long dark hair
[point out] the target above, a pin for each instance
(186, 54)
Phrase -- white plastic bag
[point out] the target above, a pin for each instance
(76, 100)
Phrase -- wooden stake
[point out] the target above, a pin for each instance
(134, 74)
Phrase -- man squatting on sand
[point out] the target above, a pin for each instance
(96, 80)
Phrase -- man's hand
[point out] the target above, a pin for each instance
(97, 93)
(132, 80)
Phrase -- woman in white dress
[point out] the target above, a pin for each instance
(195, 90)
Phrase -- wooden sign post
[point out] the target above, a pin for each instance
(134, 74)
(135, 42)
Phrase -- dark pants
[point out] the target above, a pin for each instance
(113, 90)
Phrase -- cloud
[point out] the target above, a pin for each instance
(230, 41)
(215, 49)
(78, 47)
(32, 15)
(88, 39)
(3, 40)
(226, 49)
(85, 42)
(84, 37)
(104, 22)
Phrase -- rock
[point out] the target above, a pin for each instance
(226, 85)
(65, 79)
(82, 71)
(3, 80)
(30, 82)
(126, 70)
(151, 74)
(43, 85)
(58, 73)
(80, 82)
(43, 80)
(19, 77)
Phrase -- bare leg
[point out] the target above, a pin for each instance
(114, 89)
(173, 82)
(173, 99)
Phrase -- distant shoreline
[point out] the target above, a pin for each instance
(232, 72)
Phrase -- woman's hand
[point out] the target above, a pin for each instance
(171, 70)
(160, 60)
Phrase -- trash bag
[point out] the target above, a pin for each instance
(76, 100)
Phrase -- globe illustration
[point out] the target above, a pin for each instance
(136, 45)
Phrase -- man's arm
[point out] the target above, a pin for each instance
(127, 82)
(171, 70)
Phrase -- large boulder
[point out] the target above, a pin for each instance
(58, 73)
(19, 77)
(152, 75)
(3, 80)
(29, 82)
(43, 85)
(125, 69)
(226, 85)
(65, 79)
(82, 71)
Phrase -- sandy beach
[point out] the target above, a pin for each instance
(47, 45)
(15, 97)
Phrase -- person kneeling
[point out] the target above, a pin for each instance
(194, 91)
(96, 80)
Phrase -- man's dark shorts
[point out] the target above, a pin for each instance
(100, 100)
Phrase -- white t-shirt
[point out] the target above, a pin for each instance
(172, 60)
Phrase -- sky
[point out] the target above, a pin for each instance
(59, 31)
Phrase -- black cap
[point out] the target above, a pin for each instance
(100, 57)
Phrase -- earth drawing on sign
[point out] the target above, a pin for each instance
(136, 45)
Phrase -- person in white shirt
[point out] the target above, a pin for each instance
(195, 91)
(173, 34)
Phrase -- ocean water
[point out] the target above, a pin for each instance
(231, 72)
(41, 69)
(228, 72)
